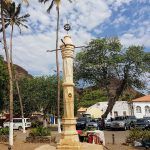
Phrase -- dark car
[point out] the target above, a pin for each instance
(131, 120)
(147, 118)
(108, 123)
(120, 122)
(93, 123)
(142, 123)
(81, 123)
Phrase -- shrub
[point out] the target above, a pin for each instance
(36, 124)
(4, 131)
(40, 131)
(137, 134)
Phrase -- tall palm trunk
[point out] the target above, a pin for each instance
(20, 101)
(58, 72)
(15, 78)
(10, 79)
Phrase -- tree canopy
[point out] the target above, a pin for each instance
(104, 60)
(38, 94)
(3, 83)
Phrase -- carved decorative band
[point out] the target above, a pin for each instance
(68, 84)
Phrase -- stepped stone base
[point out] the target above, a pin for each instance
(80, 146)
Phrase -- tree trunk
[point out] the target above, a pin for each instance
(10, 79)
(58, 72)
(11, 37)
(113, 100)
(20, 101)
(15, 79)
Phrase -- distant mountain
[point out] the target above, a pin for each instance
(129, 94)
(21, 72)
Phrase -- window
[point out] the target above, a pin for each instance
(124, 113)
(147, 110)
(115, 113)
(138, 109)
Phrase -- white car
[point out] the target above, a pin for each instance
(17, 123)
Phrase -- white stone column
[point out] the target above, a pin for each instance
(69, 137)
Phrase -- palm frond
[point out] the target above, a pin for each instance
(11, 16)
(18, 25)
(51, 6)
(24, 16)
(12, 9)
(24, 25)
(18, 9)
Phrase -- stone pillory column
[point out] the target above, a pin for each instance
(69, 137)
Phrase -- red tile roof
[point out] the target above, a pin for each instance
(142, 99)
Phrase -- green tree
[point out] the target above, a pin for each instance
(3, 6)
(38, 94)
(12, 17)
(90, 97)
(105, 60)
(3, 83)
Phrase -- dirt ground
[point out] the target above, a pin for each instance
(120, 137)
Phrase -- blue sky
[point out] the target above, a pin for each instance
(127, 19)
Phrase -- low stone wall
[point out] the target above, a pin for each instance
(38, 139)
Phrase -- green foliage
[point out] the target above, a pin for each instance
(11, 16)
(138, 134)
(36, 124)
(90, 97)
(4, 131)
(76, 105)
(38, 94)
(40, 131)
(104, 61)
(3, 83)
(94, 64)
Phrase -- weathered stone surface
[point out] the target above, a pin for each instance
(69, 138)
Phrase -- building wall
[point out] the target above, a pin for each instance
(120, 108)
(144, 107)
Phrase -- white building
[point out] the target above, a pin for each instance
(141, 106)
(121, 108)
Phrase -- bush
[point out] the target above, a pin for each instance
(137, 134)
(4, 131)
(40, 131)
(36, 124)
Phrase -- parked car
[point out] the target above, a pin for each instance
(142, 123)
(81, 123)
(17, 123)
(93, 123)
(108, 123)
(131, 120)
(120, 122)
(147, 118)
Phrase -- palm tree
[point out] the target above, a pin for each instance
(11, 18)
(3, 4)
(57, 3)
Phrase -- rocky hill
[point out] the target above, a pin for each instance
(129, 94)
(21, 72)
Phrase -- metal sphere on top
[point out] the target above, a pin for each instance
(67, 27)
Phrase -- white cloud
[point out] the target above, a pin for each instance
(137, 36)
(83, 15)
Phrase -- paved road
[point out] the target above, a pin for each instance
(120, 136)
